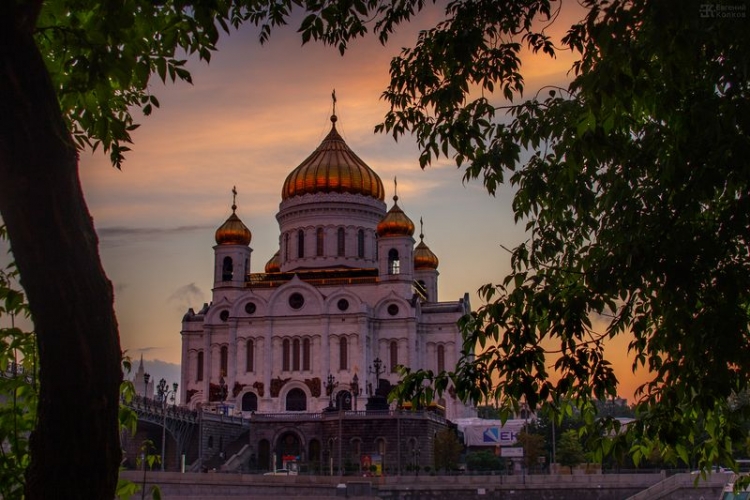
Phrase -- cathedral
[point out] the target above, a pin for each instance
(349, 296)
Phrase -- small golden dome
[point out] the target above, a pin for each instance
(274, 264)
(395, 222)
(233, 231)
(423, 256)
(333, 168)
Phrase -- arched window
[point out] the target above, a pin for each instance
(360, 243)
(285, 355)
(394, 265)
(341, 242)
(306, 355)
(344, 400)
(295, 355)
(343, 354)
(441, 358)
(250, 356)
(319, 240)
(300, 244)
(286, 247)
(380, 446)
(296, 400)
(199, 367)
(227, 269)
(355, 446)
(223, 360)
(249, 402)
(394, 355)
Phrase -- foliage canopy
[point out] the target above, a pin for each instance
(632, 181)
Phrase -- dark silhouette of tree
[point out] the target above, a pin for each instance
(569, 450)
(448, 450)
(533, 448)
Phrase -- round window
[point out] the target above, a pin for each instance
(224, 315)
(393, 309)
(250, 308)
(343, 304)
(296, 300)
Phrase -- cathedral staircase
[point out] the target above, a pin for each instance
(231, 459)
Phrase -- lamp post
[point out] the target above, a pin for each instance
(377, 368)
(165, 394)
(143, 481)
(222, 393)
(355, 390)
(330, 386)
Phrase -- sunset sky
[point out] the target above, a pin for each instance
(253, 115)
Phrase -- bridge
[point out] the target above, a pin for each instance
(181, 433)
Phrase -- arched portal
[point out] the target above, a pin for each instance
(288, 450)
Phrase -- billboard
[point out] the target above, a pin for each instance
(485, 432)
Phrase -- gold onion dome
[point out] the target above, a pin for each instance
(233, 231)
(395, 222)
(333, 168)
(423, 256)
(274, 264)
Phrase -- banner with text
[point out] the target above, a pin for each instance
(492, 433)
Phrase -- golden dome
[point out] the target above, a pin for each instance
(333, 168)
(395, 222)
(233, 231)
(274, 264)
(423, 256)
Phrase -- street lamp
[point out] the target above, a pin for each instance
(330, 386)
(165, 393)
(222, 393)
(354, 386)
(379, 368)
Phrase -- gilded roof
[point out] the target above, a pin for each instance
(424, 258)
(233, 232)
(395, 222)
(333, 168)
(274, 264)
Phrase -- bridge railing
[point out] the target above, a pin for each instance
(348, 414)
(156, 407)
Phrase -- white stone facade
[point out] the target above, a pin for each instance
(339, 300)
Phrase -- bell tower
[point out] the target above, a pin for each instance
(232, 250)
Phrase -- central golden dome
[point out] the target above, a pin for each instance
(333, 168)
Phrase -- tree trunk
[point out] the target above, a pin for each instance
(75, 448)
